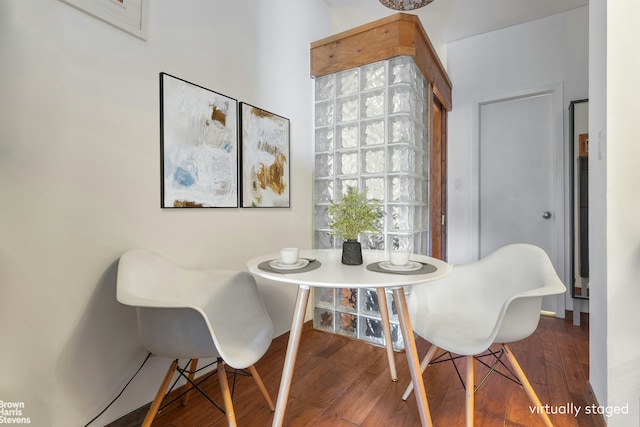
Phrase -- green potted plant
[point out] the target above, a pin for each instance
(353, 214)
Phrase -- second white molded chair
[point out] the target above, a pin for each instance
(196, 314)
(494, 300)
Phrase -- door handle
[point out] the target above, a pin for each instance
(546, 215)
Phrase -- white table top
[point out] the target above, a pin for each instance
(333, 273)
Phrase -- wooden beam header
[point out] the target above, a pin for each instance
(395, 35)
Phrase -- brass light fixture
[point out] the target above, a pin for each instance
(405, 4)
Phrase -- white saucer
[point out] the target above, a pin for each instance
(279, 265)
(410, 266)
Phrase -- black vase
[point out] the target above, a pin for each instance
(351, 252)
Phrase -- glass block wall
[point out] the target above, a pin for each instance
(355, 313)
(371, 131)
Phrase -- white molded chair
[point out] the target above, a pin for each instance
(195, 314)
(494, 300)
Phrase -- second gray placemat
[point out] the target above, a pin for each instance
(426, 269)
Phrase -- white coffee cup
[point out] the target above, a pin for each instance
(289, 255)
(399, 257)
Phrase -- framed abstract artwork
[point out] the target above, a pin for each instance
(198, 146)
(265, 158)
(128, 15)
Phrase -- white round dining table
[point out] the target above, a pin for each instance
(325, 269)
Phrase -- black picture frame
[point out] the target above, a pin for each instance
(198, 146)
(579, 207)
(265, 158)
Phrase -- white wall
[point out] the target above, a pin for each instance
(618, 123)
(598, 304)
(79, 182)
(541, 53)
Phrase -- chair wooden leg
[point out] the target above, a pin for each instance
(527, 386)
(226, 395)
(192, 373)
(263, 389)
(423, 365)
(153, 410)
(469, 389)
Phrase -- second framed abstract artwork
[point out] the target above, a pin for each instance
(265, 151)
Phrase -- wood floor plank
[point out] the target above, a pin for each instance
(341, 382)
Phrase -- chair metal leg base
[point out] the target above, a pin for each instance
(471, 385)
(189, 375)
(192, 374)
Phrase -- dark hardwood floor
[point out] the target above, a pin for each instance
(341, 382)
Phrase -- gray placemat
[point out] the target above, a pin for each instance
(426, 269)
(311, 266)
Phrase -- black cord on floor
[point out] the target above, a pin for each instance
(121, 391)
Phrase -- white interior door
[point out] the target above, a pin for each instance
(518, 193)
